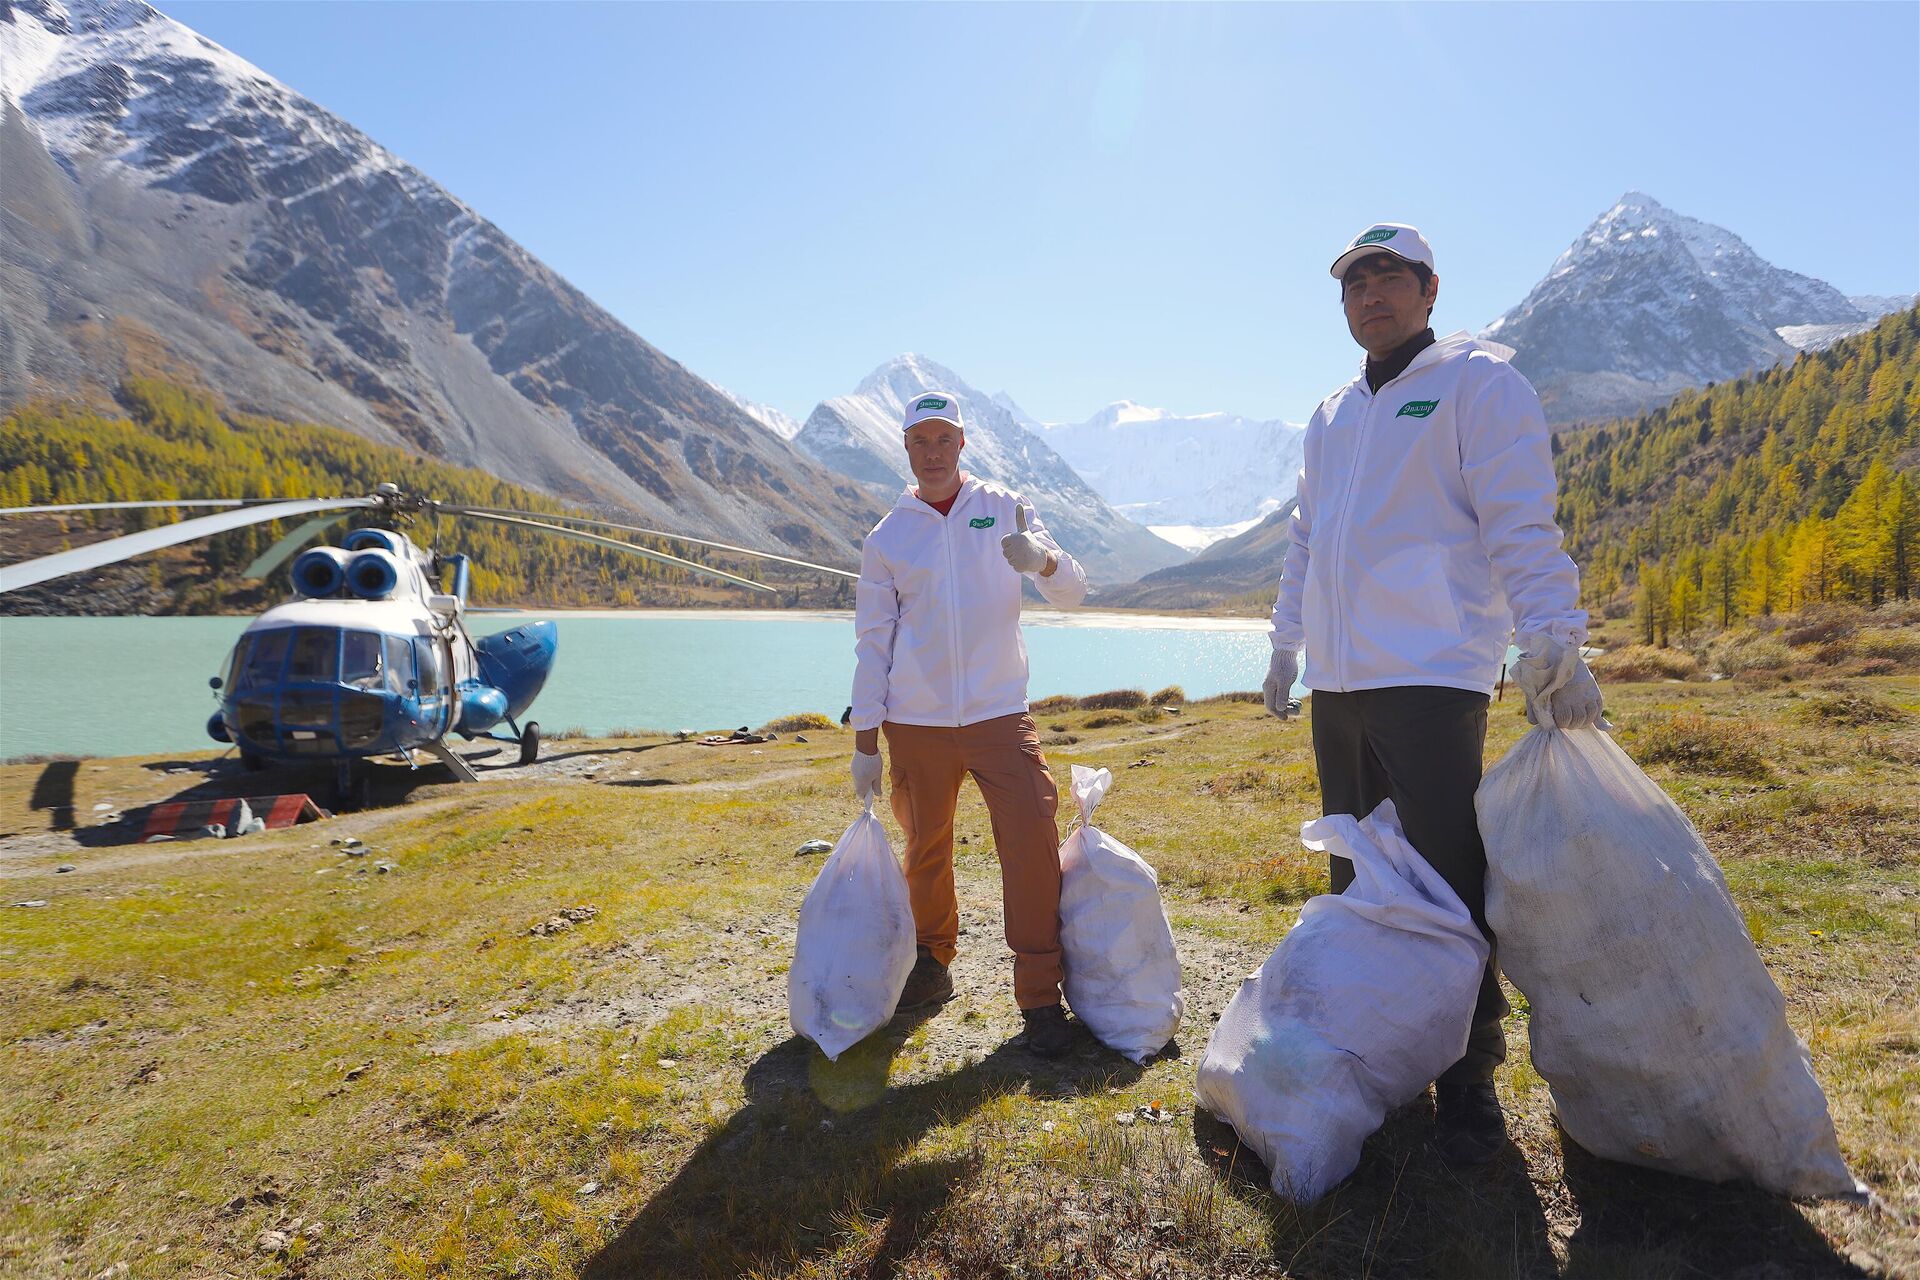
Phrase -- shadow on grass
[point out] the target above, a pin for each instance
(53, 791)
(1637, 1222)
(1403, 1213)
(224, 778)
(821, 1145)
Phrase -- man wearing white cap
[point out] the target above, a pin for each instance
(940, 666)
(1423, 538)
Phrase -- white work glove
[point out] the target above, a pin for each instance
(1561, 692)
(1278, 688)
(1023, 551)
(866, 775)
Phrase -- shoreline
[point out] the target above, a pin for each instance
(1088, 618)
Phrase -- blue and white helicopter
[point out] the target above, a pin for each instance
(369, 658)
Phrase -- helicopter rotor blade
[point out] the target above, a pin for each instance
(30, 572)
(280, 552)
(652, 533)
(581, 535)
(128, 506)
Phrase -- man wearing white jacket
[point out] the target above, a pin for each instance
(940, 666)
(1423, 538)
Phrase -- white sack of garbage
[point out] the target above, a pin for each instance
(854, 947)
(1654, 1022)
(1122, 972)
(1361, 1006)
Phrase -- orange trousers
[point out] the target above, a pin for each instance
(1003, 755)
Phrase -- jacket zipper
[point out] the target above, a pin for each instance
(953, 612)
(1340, 548)
(1346, 518)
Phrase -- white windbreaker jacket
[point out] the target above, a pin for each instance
(937, 612)
(1425, 534)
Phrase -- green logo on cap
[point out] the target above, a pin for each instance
(931, 402)
(984, 522)
(1376, 235)
(1417, 408)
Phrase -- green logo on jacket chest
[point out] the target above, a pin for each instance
(984, 522)
(1417, 408)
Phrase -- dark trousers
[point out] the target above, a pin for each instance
(1421, 747)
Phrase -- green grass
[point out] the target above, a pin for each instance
(217, 1042)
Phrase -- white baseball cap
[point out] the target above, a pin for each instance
(1396, 238)
(942, 405)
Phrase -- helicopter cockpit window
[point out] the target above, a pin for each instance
(266, 651)
(316, 655)
(399, 663)
(361, 662)
(230, 670)
(433, 672)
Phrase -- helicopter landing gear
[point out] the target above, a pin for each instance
(352, 786)
(530, 742)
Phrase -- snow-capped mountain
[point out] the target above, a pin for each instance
(782, 425)
(858, 435)
(1245, 566)
(1648, 302)
(1199, 537)
(1199, 471)
(167, 207)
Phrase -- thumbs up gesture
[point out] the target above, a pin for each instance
(1022, 550)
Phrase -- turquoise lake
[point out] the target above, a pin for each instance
(128, 686)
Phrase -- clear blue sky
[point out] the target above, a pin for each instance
(1080, 203)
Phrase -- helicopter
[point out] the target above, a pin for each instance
(369, 658)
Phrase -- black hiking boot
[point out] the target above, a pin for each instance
(1468, 1125)
(928, 984)
(1048, 1034)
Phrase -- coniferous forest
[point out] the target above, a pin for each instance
(1794, 487)
(179, 442)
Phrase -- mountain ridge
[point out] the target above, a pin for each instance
(209, 218)
(1648, 302)
(858, 435)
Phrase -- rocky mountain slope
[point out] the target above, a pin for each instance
(858, 435)
(1648, 302)
(1243, 570)
(169, 208)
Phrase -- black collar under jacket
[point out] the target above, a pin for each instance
(1381, 372)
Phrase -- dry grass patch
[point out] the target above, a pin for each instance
(1236, 695)
(1645, 662)
(1114, 700)
(1898, 649)
(1745, 651)
(802, 722)
(1850, 708)
(1695, 743)
(1822, 623)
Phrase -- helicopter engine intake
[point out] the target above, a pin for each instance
(372, 574)
(320, 572)
(375, 540)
